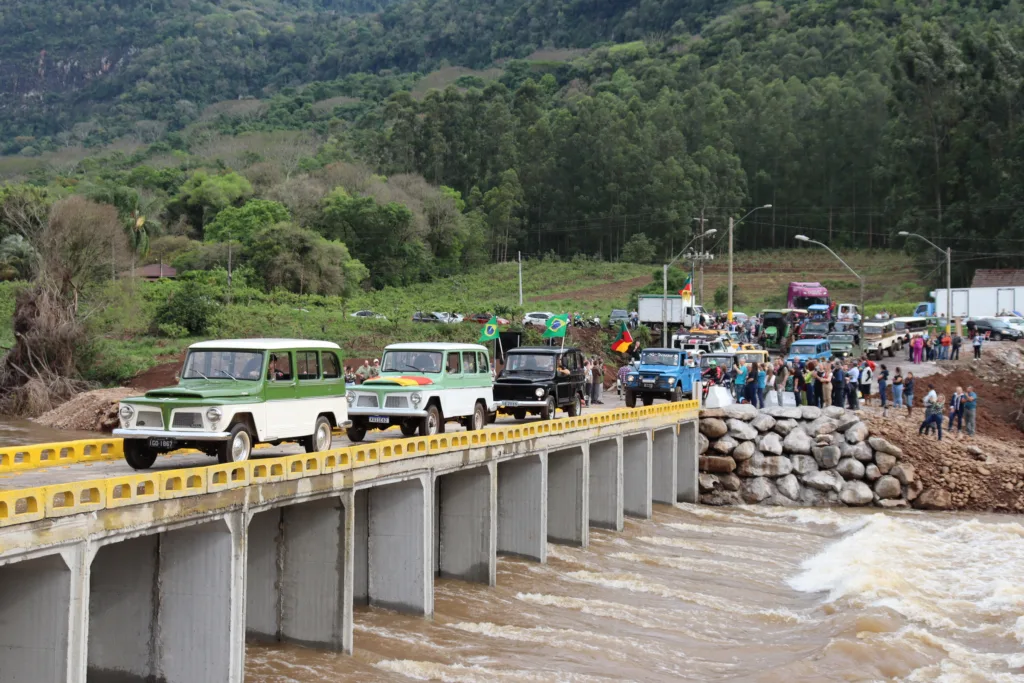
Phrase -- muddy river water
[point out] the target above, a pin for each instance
(707, 594)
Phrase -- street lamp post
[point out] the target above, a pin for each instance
(805, 238)
(949, 273)
(732, 224)
(664, 282)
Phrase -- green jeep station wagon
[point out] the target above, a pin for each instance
(236, 393)
(423, 386)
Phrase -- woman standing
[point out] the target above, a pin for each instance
(588, 381)
(883, 384)
(897, 389)
(956, 411)
(809, 382)
(750, 388)
(826, 384)
(908, 392)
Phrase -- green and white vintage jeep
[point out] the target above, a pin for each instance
(423, 386)
(238, 392)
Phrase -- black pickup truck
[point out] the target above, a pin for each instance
(539, 380)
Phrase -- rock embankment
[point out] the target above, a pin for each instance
(802, 456)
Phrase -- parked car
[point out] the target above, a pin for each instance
(536, 318)
(421, 317)
(423, 386)
(484, 318)
(663, 373)
(809, 349)
(1013, 321)
(815, 329)
(618, 316)
(449, 318)
(222, 404)
(540, 380)
(998, 329)
(367, 314)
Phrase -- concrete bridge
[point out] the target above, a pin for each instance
(162, 576)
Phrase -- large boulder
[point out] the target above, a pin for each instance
(713, 428)
(845, 421)
(797, 441)
(702, 444)
(883, 446)
(723, 498)
(860, 450)
(770, 443)
(789, 486)
(893, 504)
(825, 481)
(856, 493)
(872, 473)
(724, 445)
(827, 457)
(757, 489)
(885, 462)
(818, 498)
(711, 412)
(741, 411)
(730, 482)
(763, 422)
(744, 451)
(856, 433)
(784, 427)
(850, 468)
(821, 426)
(717, 464)
(810, 412)
(707, 482)
(740, 430)
(752, 467)
(934, 499)
(888, 487)
(804, 464)
(904, 472)
(914, 489)
(790, 413)
(835, 412)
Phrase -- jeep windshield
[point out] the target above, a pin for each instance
(707, 361)
(841, 339)
(412, 361)
(659, 358)
(804, 349)
(223, 364)
(816, 328)
(530, 363)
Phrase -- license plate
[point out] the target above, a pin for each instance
(379, 419)
(162, 444)
(511, 404)
(649, 382)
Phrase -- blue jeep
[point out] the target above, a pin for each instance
(663, 373)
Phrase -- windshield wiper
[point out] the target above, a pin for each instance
(228, 374)
(200, 374)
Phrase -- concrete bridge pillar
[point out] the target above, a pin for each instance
(35, 609)
(664, 465)
(168, 607)
(523, 507)
(568, 496)
(688, 462)
(606, 484)
(466, 524)
(636, 475)
(392, 565)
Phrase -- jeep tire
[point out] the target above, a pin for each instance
(677, 394)
(548, 411)
(321, 438)
(138, 455)
(409, 427)
(356, 433)
(575, 408)
(238, 447)
(630, 399)
(519, 414)
(431, 425)
(478, 420)
(648, 400)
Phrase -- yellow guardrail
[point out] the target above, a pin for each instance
(58, 500)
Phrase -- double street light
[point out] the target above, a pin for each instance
(732, 224)
(949, 273)
(805, 238)
(664, 280)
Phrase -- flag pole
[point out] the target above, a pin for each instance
(565, 332)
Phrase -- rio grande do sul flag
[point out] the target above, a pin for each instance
(625, 340)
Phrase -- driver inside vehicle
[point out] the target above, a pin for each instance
(252, 368)
(279, 367)
(562, 370)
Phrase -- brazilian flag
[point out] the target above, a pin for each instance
(489, 331)
(557, 325)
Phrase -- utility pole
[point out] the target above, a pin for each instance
(520, 278)
(702, 221)
(229, 270)
(730, 268)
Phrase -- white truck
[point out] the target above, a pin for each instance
(979, 302)
(676, 314)
(881, 338)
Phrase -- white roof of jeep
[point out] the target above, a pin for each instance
(264, 344)
(434, 346)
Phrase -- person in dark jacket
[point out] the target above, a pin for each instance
(908, 392)
(956, 410)
(839, 386)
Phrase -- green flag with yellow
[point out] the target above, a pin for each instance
(557, 325)
(489, 331)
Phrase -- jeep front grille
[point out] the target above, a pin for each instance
(150, 418)
(187, 420)
(367, 401)
(396, 402)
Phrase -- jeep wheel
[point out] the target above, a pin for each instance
(478, 419)
(548, 411)
(356, 433)
(431, 424)
(575, 408)
(409, 427)
(519, 414)
(648, 400)
(138, 455)
(238, 447)
(677, 394)
(892, 352)
(321, 438)
(997, 337)
(630, 399)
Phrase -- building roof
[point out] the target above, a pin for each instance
(993, 277)
(264, 344)
(155, 270)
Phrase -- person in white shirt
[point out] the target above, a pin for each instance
(931, 396)
(852, 385)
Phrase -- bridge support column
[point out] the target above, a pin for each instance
(393, 527)
(466, 526)
(568, 497)
(606, 484)
(664, 466)
(35, 610)
(636, 475)
(523, 507)
(688, 462)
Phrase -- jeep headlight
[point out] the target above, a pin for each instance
(126, 412)
(351, 398)
(539, 393)
(416, 397)
(631, 378)
(214, 414)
